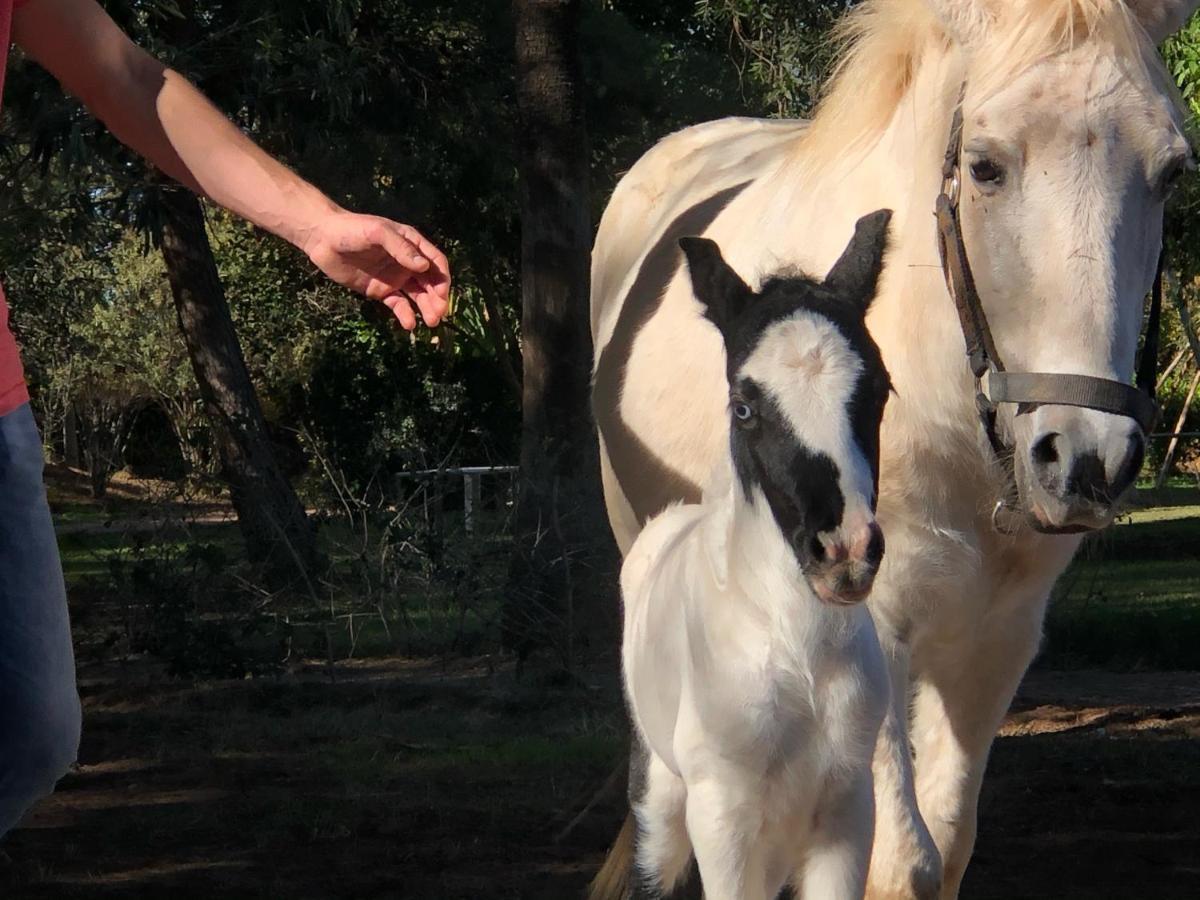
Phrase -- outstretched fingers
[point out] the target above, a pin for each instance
(402, 310)
(438, 271)
(427, 283)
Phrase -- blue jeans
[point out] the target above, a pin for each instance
(39, 704)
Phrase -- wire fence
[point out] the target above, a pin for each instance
(472, 488)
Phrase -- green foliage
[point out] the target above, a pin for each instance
(176, 596)
(393, 107)
(781, 46)
(1181, 52)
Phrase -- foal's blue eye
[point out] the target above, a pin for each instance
(742, 412)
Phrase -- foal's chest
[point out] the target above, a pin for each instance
(804, 713)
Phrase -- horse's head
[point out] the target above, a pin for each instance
(807, 388)
(1071, 142)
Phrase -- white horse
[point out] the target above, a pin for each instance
(752, 669)
(1071, 138)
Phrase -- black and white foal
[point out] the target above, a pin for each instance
(751, 666)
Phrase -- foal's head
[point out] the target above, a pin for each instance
(807, 389)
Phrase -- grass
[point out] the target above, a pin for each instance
(1131, 599)
(391, 781)
(453, 778)
(181, 589)
(90, 554)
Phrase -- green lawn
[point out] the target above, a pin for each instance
(91, 554)
(1131, 600)
(455, 777)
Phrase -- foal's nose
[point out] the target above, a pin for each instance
(845, 563)
(864, 545)
(868, 545)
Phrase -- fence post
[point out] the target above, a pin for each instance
(471, 499)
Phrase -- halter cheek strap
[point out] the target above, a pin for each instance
(996, 385)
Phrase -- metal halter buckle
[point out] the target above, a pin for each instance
(998, 524)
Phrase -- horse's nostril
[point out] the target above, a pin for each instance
(1138, 454)
(1088, 479)
(1045, 451)
(1135, 455)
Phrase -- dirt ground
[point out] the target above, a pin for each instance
(400, 779)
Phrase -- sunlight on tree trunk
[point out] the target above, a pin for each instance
(558, 574)
(276, 530)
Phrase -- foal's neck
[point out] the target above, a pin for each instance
(758, 562)
(756, 569)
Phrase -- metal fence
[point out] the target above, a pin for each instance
(472, 486)
(472, 478)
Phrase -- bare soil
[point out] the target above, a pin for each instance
(411, 780)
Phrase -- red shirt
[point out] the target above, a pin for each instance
(13, 392)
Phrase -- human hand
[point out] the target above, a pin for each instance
(384, 260)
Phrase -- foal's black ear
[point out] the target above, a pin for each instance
(714, 283)
(855, 275)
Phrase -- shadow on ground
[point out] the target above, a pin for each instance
(403, 780)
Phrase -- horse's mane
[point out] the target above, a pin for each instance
(884, 42)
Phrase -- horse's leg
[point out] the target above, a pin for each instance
(965, 688)
(905, 864)
(839, 850)
(664, 853)
(724, 823)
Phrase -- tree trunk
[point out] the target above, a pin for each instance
(563, 556)
(276, 530)
(72, 455)
(97, 465)
(502, 344)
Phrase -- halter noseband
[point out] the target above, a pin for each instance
(1028, 389)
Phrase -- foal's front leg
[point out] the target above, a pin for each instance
(724, 823)
(839, 851)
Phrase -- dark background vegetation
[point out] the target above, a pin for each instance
(427, 705)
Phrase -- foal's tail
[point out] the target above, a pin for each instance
(615, 878)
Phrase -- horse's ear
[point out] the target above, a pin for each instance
(967, 21)
(715, 284)
(855, 275)
(1162, 18)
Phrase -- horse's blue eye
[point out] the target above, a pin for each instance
(742, 412)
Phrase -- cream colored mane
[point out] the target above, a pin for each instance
(884, 42)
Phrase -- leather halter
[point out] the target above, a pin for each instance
(1028, 389)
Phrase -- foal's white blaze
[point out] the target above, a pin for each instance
(810, 371)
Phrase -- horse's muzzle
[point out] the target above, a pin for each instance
(1075, 478)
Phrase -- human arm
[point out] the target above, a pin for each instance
(158, 113)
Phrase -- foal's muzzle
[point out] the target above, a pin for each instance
(842, 569)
